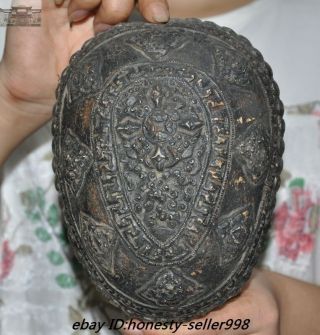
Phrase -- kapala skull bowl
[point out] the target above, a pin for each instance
(167, 153)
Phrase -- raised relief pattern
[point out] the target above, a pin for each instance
(174, 133)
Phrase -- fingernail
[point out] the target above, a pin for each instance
(160, 13)
(78, 15)
(59, 2)
(101, 27)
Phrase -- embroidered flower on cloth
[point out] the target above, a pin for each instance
(6, 259)
(296, 221)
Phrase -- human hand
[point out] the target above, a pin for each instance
(34, 58)
(110, 12)
(257, 303)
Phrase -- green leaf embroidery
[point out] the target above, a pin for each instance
(34, 203)
(41, 197)
(33, 216)
(53, 215)
(55, 257)
(65, 281)
(297, 182)
(42, 234)
(29, 199)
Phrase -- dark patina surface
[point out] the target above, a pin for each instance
(167, 153)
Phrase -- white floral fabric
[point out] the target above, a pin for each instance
(42, 284)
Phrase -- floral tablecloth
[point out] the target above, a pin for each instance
(44, 288)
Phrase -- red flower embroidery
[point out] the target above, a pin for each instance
(293, 224)
(6, 261)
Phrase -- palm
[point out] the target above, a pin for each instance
(34, 57)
